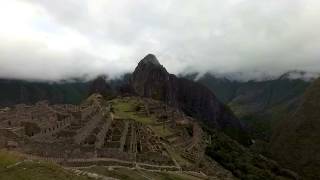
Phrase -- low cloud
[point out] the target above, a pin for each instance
(52, 40)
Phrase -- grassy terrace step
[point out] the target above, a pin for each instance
(126, 109)
(161, 131)
(14, 167)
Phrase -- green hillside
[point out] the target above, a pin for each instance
(242, 162)
(296, 142)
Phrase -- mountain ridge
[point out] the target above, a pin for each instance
(262, 104)
(236, 76)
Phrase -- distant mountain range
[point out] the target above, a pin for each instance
(260, 103)
(13, 91)
(20, 91)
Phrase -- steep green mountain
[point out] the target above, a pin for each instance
(259, 103)
(296, 142)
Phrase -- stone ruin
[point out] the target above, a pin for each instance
(90, 131)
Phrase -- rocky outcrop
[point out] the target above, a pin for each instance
(151, 79)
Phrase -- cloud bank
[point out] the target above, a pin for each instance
(52, 40)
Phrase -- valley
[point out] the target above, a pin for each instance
(261, 104)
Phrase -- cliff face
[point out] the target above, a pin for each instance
(296, 142)
(151, 79)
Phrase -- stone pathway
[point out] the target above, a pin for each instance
(90, 175)
(15, 164)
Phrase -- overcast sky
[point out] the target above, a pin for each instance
(60, 39)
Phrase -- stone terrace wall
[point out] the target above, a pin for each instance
(103, 133)
(84, 132)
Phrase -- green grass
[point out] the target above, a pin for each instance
(30, 170)
(161, 131)
(133, 174)
(7, 159)
(126, 110)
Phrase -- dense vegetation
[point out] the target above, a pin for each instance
(243, 163)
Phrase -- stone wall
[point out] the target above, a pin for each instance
(53, 128)
(103, 133)
(85, 131)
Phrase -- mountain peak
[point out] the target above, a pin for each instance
(150, 59)
(150, 79)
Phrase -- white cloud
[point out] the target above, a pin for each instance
(75, 37)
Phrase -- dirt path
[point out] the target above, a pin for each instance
(95, 160)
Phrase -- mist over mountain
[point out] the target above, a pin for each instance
(253, 76)
(54, 40)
